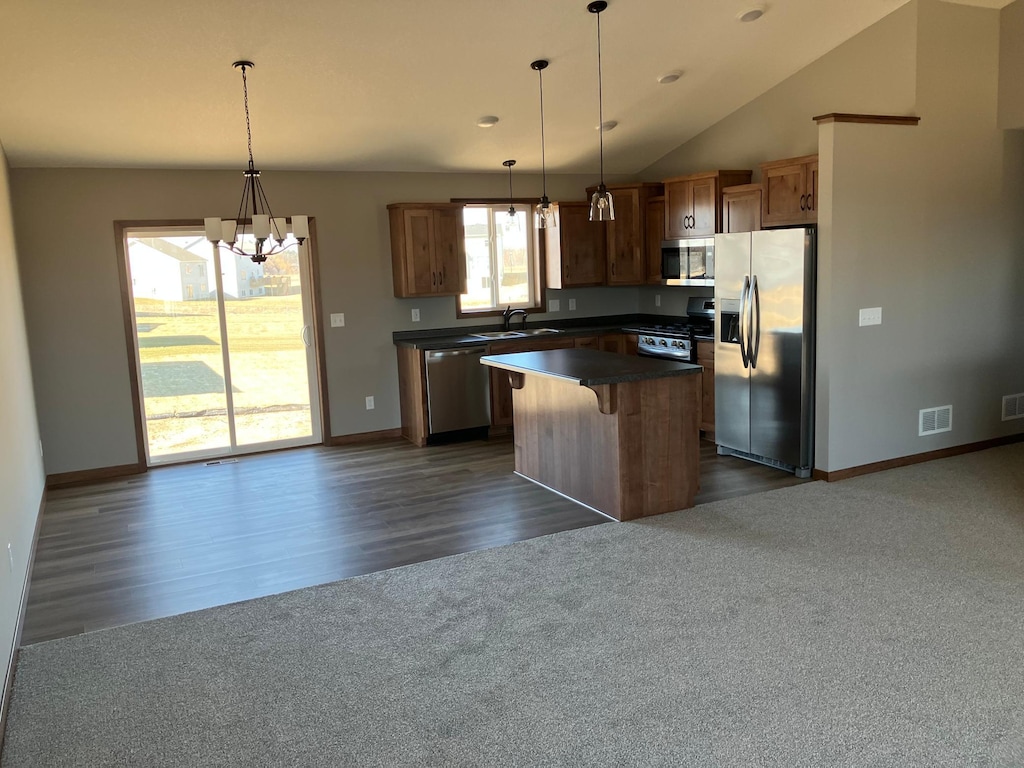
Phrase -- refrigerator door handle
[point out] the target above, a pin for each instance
(755, 326)
(744, 322)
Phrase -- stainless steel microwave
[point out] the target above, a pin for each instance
(688, 262)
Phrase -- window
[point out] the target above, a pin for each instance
(501, 266)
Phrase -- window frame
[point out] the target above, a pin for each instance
(535, 243)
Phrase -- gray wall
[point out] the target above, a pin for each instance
(923, 222)
(871, 72)
(65, 218)
(21, 468)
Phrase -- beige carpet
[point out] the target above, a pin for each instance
(872, 622)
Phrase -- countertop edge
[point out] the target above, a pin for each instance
(494, 361)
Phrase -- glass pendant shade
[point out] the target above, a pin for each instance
(602, 206)
(545, 215)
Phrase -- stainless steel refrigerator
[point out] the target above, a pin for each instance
(764, 346)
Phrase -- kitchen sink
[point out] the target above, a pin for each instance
(514, 334)
(499, 335)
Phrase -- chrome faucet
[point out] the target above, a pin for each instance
(509, 313)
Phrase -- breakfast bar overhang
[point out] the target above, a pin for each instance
(617, 433)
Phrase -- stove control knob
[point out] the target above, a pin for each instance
(663, 343)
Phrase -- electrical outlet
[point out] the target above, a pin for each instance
(338, 320)
(572, 305)
(872, 316)
(369, 403)
(415, 315)
(10, 557)
(657, 299)
(554, 305)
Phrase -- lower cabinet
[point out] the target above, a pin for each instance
(706, 358)
(412, 380)
(501, 389)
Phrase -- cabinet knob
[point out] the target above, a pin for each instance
(803, 205)
(810, 202)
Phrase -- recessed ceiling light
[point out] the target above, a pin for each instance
(752, 14)
(487, 121)
(670, 77)
(607, 125)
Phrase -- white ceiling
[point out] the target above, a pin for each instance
(392, 84)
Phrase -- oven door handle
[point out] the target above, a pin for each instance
(744, 322)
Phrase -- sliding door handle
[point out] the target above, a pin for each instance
(307, 338)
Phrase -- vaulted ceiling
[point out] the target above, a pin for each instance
(395, 85)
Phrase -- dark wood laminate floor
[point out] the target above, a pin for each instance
(187, 537)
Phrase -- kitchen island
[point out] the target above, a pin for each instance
(617, 433)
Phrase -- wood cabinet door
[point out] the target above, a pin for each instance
(653, 235)
(421, 276)
(784, 195)
(625, 242)
(678, 209)
(448, 248)
(582, 246)
(741, 209)
(704, 202)
(613, 342)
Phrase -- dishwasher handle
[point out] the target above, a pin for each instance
(437, 353)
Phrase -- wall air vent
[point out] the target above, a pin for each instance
(1013, 407)
(931, 421)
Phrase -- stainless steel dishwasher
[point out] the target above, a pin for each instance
(458, 389)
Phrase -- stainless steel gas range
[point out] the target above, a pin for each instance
(677, 341)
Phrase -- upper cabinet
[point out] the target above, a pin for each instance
(427, 245)
(741, 208)
(693, 204)
(626, 236)
(790, 191)
(655, 233)
(574, 247)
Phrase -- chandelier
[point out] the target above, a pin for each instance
(268, 232)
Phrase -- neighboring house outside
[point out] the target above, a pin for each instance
(242, 278)
(163, 270)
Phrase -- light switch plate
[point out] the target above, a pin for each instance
(337, 319)
(554, 305)
(369, 403)
(415, 315)
(572, 305)
(871, 316)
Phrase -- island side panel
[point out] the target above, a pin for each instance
(659, 440)
(563, 441)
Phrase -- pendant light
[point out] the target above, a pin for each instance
(545, 216)
(513, 221)
(602, 207)
(269, 232)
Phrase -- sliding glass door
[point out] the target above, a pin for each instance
(225, 347)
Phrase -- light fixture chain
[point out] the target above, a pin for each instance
(248, 125)
(600, 97)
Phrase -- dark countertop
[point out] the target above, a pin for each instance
(444, 338)
(589, 367)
